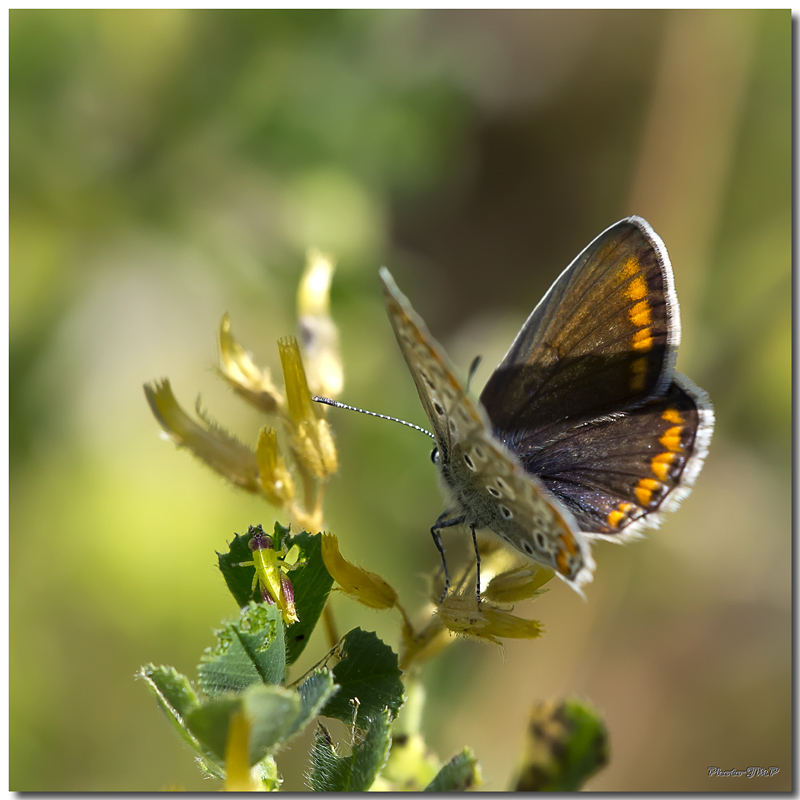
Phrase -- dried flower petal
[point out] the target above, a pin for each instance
(518, 584)
(487, 622)
(276, 480)
(221, 451)
(368, 588)
(240, 371)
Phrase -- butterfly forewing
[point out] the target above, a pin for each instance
(601, 339)
(438, 388)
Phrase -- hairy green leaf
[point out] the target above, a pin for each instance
(313, 692)
(249, 650)
(354, 773)
(273, 712)
(175, 696)
(209, 724)
(367, 672)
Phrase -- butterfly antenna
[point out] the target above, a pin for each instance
(328, 402)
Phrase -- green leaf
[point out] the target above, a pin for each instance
(368, 672)
(459, 774)
(273, 713)
(311, 582)
(566, 744)
(209, 724)
(249, 650)
(313, 692)
(175, 696)
(356, 772)
(239, 579)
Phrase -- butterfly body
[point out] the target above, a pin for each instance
(486, 483)
(584, 430)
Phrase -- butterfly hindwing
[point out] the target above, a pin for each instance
(617, 473)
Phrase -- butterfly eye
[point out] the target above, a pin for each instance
(435, 455)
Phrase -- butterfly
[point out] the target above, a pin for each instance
(584, 430)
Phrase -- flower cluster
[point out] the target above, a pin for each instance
(458, 612)
(305, 431)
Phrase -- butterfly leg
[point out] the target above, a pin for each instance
(477, 566)
(443, 522)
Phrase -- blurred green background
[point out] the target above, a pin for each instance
(169, 166)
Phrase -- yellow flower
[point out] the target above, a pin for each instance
(238, 776)
(518, 584)
(224, 454)
(368, 588)
(238, 369)
(276, 480)
(309, 435)
(488, 622)
(318, 332)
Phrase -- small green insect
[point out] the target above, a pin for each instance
(271, 568)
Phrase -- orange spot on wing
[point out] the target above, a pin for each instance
(640, 314)
(636, 289)
(619, 514)
(631, 268)
(642, 341)
(614, 519)
(644, 490)
(671, 439)
(672, 415)
(661, 464)
(561, 564)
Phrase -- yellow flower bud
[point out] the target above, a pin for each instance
(318, 332)
(276, 480)
(309, 435)
(366, 587)
(518, 584)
